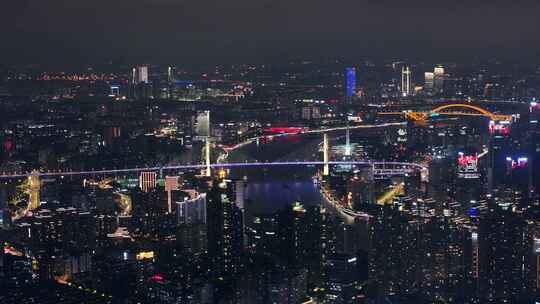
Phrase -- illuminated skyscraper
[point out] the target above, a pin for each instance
(207, 152)
(351, 82)
(502, 269)
(170, 74)
(34, 187)
(142, 74)
(202, 125)
(406, 81)
(225, 229)
(134, 76)
(342, 282)
(140, 86)
(429, 81)
(438, 73)
(326, 155)
(192, 211)
(171, 184)
(393, 252)
(147, 181)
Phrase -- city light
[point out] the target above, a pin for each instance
(269, 177)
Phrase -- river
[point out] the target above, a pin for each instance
(271, 188)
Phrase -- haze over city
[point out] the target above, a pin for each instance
(186, 152)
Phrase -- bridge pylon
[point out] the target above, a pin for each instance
(326, 155)
(207, 158)
(34, 187)
(348, 151)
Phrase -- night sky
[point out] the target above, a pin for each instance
(237, 30)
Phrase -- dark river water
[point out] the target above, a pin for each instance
(271, 188)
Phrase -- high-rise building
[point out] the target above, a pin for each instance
(224, 229)
(393, 256)
(342, 281)
(192, 211)
(406, 86)
(4, 211)
(307, 231)
(350, 74)
(438, 74)
(240, 188)
(532, 251)
(142, 74)
(502, 259)
(171, 184)
(429, 83)
(133, 76)
(147, 181)
(58, 238)
(202, 125)
(170, 74)
(140, 86)
(34, 187)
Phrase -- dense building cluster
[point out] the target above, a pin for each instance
(404, 182)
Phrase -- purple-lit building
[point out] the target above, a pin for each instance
(351, 81)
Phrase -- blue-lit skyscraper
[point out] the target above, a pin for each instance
(351, 81)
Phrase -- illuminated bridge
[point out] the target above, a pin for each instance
(381, 169)
(457, 109)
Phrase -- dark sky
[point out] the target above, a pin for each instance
(235, 30)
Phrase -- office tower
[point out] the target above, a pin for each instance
(307, 231)
(224, 228)
(4, 211)
(191, 232)
(140, 86)
(142, 74)
(519, 178)
(342, 281)
(147, 181)
(202, 125)
(457, 244)
(360, 188)
(534, 144)
(326, 155)
(171, 184)
(499, 150)
(169, 74)
(468, 182)
(240, 188)
(240, 200)
(330, 225)
(192, 210)
(263, 235)
(413, 186)
(532, 251)
(2, 262)
(62, 240)
(440, 172)
(350, 74)
(393, 256)
(438, 74)
(501, 251)
(429, 81)
(34, 188)
(443, 254)
(133, 79)
(406, 89)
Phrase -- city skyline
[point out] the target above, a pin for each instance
(259, 152)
